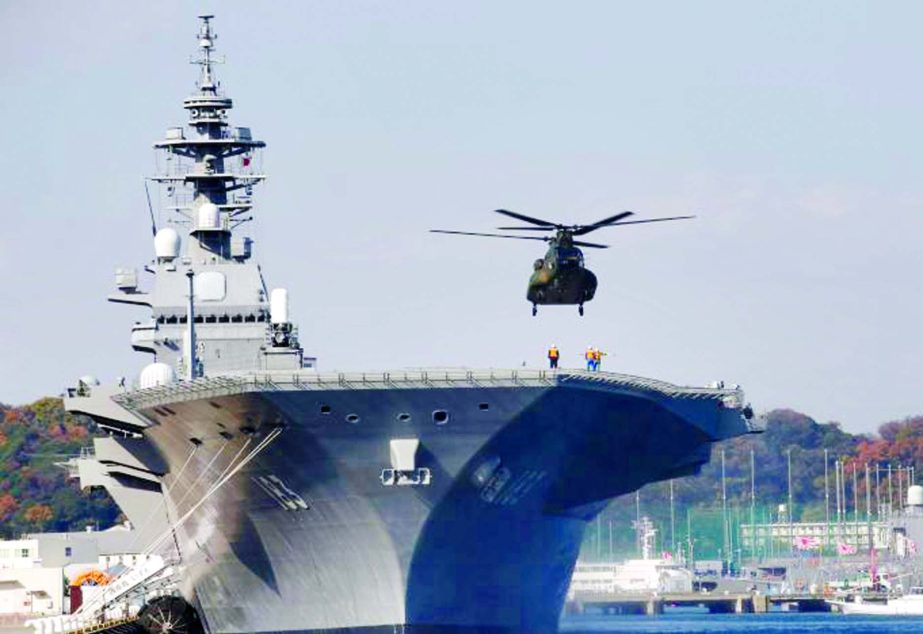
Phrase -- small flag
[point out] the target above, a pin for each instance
(806, 542)
(911, 547)
(245, 161)
(846, 549)
(667, 555)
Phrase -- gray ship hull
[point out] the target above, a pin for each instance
(308, 537)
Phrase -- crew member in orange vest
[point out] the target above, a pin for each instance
(597, 358)
(553, 356)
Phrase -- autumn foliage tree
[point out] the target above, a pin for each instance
(7, 506)
(35, 493)
(38, 514)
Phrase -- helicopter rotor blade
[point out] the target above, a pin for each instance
(527, 228)
(489, 235)
(524, 218)
(639, 222)
(602, 223)
(592, 245)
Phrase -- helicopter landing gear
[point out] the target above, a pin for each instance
(534, 310)
(580, 309)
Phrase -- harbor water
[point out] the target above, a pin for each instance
(773, 623)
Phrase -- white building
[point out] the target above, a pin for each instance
(632, 576)
(34, 570)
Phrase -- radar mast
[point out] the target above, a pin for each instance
(209, 175)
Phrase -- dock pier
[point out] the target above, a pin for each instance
(732, 603)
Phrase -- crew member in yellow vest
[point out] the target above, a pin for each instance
(553, 356)
(598, 358)
(590, 357)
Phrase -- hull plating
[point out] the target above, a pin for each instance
(517, 472)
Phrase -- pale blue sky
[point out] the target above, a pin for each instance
(792, 129)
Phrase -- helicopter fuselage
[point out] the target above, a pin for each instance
(561, 278)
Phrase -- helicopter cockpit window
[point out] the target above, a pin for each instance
(570, 257)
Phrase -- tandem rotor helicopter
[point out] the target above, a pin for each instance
(560, 277)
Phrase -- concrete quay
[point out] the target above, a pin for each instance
(732, 603)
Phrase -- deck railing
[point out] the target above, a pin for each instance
(207, 387)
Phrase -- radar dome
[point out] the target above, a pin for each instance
(278, 306)
(208, 218)
(166, 244)
(156, 374)
(915, 495)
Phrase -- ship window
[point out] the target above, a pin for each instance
(403, 417)
(211, 319)
(224, 319)
(236, 319)
(67, 551)
(161, 320)
(250, 319)
(182, 319)
(168, 410)
(199, 319)
(171, 319)
(352, 418)
(440, 417)
(325, 409)
(483, 406)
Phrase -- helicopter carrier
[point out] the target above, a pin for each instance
(293, 500)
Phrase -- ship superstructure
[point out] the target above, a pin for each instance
(207, 182)
(292, 500)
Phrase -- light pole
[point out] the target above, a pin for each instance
(672, 521)
(877, 491)
(791, 526)
(724, 508)
(890, 493)
(868, 507)
(752, 505)
(826, 500)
